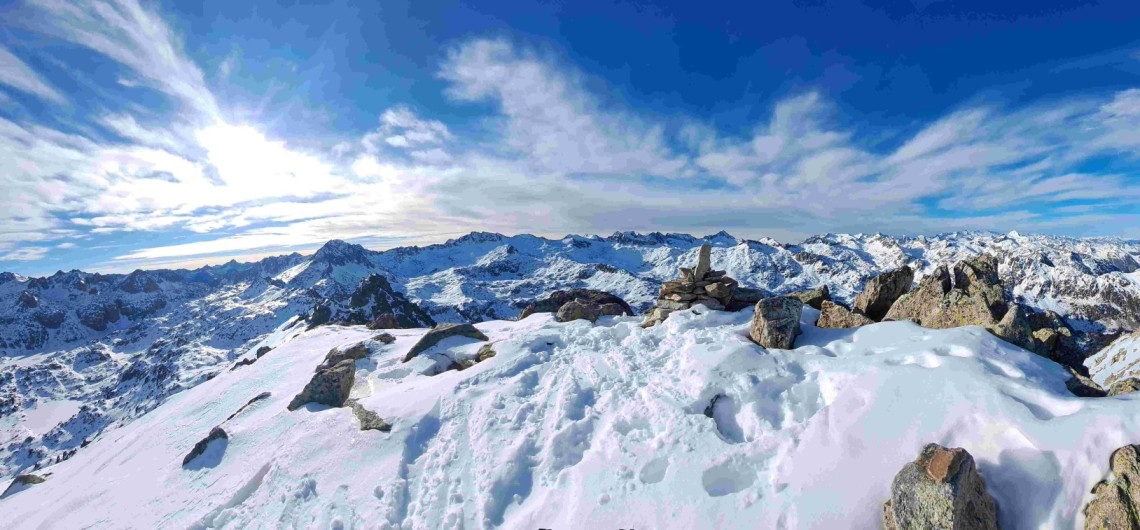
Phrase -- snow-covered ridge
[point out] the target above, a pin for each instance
(608, 425)
(119, 345)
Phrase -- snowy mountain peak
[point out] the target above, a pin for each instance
(337, 252)
(475, 237)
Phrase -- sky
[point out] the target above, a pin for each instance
(142, 134)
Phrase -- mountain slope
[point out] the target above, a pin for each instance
(579, 425)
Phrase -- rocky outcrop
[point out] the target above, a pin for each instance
(1124, 386)
(21, 483)
(329, 386)
(941, 489)
(586, 310)
(377, 305)
(1116, 501)
(971, 294)
(591, 297)
(699, 285)
(440, 332)
(776, 322)
(217, 433)
(28, 300)
(835, 316)
(812, 297)
(882, 291)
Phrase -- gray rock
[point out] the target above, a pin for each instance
(1116, 501)
(813, 297)
(336, 355)
(21, 483)
(440, 332)
(704, 262)
(262, 351)
(674, 306)
(578, 310)
(329, 386)
(384, 338)
(835, 316)
(369, 421)
(882, 291)
(217, 433)
(1124, 386)
(485, 352)
(940, 490)
(776, 322)
(1082, 386)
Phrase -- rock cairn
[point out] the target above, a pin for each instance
(697, 285)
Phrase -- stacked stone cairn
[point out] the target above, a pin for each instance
(698, 285)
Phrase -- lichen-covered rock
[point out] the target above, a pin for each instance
(369, 421)
(217, 433)
(1116, 502)
(882, 291)
(485, 352)
(440, 332)
(813, 297)
(21, 483)
(336, 355)
(559, 298)
(941, 489)
(1015, 327)
(835, 316)
(1124, 386)
(329, 386)
(776, 322)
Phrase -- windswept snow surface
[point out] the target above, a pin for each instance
(600, 426)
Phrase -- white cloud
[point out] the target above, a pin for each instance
(25, 254)
(16, 74)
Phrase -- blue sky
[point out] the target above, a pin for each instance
(147, 134)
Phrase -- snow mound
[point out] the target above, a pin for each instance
(683, 425)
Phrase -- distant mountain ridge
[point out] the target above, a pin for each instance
(117, 345)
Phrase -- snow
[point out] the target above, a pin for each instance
(44, 416)
(583, 425)
(1119, 360)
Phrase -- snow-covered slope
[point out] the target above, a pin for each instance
(109, 348)
(600, 426)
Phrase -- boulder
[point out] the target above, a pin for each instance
(776, 322)
(941, 489)
(485, 352)
(1124, 386)
(21, 483)
(1082, 386)
(559, 298)
(586, 310)
(440, 332)
(369, 421)
(882, 291)
(336, 355)
(1116, 501)
(812, 297)
(384, 338)
(262, 351)
(217, 433)
(329, 386)
(835, 316)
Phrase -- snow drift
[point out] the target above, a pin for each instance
(684, 425)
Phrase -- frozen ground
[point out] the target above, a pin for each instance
(590, 426)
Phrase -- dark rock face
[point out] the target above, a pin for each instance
(1116, 502)
(217, 433)
(28, 300)
(20, 483)
(940, 490)
(329, 386)
(440, 332)
(98, 316)
(882, 292)
(376, 304)
(776, 322)
(50, 318)
(813, 297)
(835, 316)
(558, 299)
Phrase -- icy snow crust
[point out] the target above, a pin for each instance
(600, 426)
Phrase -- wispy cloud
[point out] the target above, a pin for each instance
(549, 157)
(16, 74)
